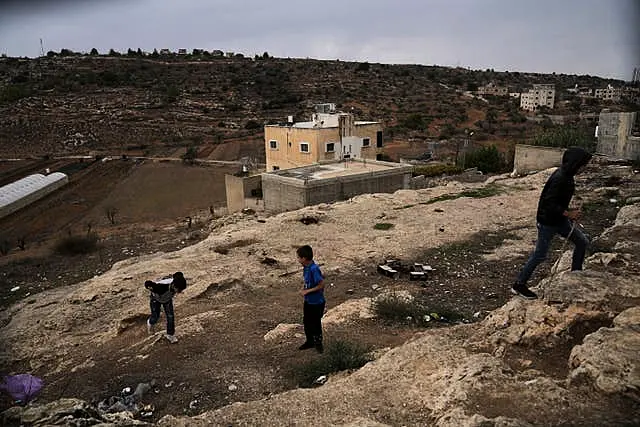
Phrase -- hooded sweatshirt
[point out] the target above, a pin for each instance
(560, 186)
(161, 290)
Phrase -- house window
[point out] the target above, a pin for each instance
(273, 144)
(379, 139)
(366, 142)
(331, 147)
(304, 147)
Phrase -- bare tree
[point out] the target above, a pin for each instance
(111, 212)
(22, 242)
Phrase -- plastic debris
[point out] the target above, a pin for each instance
(320, 380)
(22, 387)
(15, 288)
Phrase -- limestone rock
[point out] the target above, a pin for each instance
(609, 359)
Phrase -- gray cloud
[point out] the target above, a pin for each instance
(572, 36)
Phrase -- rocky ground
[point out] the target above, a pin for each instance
(569, 358)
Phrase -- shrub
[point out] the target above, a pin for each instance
(564, 137)
(436, 170)
(383, 226)
(486, 159)
(77, 245)
(338, 356)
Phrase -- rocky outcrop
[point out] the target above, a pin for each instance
(569, 358)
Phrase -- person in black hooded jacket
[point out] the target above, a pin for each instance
(555, 217)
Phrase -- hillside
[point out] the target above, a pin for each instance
(567, 359)
(161, 105)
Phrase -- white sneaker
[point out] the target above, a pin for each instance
(149, 327)
(172, 338)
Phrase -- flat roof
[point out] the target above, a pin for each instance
(332, 170)
(316, 125)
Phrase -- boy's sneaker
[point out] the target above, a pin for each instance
(172, 338)
(523, 291)
(149, 327)
(307, 345)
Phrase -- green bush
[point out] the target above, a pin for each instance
(486, 159)
(564, 137)
(437, 170)
(338, 356)
(77, 245)
(383, 226)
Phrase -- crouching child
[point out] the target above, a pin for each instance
(161, 295)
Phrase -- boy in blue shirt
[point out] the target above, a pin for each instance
(314, 301)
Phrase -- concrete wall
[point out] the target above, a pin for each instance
(285, 193)
(239, 189)
(614, 135)
(533, 158)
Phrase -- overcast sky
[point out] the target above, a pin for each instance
(597, 37)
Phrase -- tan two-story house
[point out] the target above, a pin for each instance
(329, 136)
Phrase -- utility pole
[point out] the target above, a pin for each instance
(41, 48)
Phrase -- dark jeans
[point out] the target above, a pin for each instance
(545, 235)
(312, 320)
(168, 312)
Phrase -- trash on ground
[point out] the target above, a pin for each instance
(22, 387)
(320, 380)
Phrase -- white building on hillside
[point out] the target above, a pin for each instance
(540, 95)
(609, 93)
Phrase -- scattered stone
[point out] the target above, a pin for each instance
(375, 287)
(232, 387)
(15, 288)
(281, 331)
(349, 291)
(632, 200)
(269, 261)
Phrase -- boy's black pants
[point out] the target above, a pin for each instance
(312, 320)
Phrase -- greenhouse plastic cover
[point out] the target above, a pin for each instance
(10, 193)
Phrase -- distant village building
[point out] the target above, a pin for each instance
(581, 91)
(493, 89)
(618, 135)
(609, 93)
(329, 136)
(540, 95)
(636, 75)
(631, 94)
(165, 52)
(217, 53)
(182, 51)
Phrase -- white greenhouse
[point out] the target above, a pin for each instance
(27, 190)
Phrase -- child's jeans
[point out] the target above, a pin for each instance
(312, 320)
(168, 312)
(545, 234)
